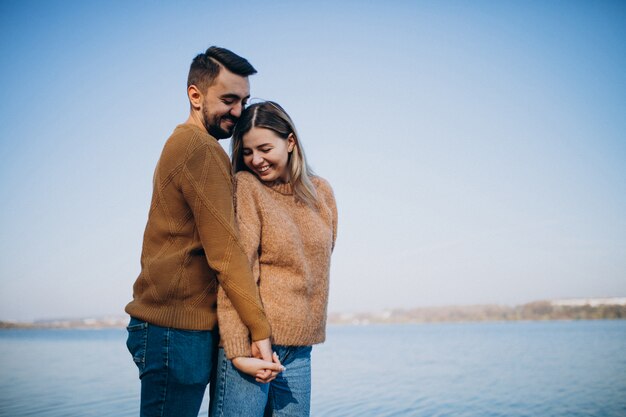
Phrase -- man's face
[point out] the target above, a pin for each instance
(223, 103)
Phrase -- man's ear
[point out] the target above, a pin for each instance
(195, 97)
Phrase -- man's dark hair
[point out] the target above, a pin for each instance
(206, 67)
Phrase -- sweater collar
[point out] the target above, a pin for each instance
(282, 188)
(198, 129)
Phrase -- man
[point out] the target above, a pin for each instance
(190, 243)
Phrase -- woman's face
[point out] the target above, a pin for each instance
(267, 154)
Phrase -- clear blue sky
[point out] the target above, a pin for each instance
(477, 149)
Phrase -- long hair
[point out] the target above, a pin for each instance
(270, 115)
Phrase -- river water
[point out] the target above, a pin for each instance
(547, 369)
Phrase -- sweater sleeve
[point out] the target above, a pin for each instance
(329, 199)
(234, 335)
(206, 185)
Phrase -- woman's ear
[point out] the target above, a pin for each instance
(291, 142)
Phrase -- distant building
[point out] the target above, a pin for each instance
(592, 302)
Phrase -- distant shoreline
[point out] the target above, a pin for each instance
(534, 311)
(613, 308)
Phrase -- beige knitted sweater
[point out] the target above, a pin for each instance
(289, 245)
(191, 241)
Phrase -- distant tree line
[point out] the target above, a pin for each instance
(543, 310)
(538, 310)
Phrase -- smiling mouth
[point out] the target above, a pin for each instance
(263, 168)
(230, 121)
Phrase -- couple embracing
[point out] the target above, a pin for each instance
(234, 274)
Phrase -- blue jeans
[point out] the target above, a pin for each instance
(237, 394)
(174, 367)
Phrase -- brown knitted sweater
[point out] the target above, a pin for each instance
(289, 246)
(191, 241)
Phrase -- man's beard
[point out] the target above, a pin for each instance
(214, 128)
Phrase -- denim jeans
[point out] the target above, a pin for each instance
(237, 394)
(174, 367)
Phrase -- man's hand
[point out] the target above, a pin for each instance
(262, 371)
(262, 349)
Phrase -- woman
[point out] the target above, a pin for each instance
(288, 225)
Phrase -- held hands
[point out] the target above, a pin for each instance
(264, 365)
(263, 371)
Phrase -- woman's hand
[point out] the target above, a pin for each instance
(262, 371)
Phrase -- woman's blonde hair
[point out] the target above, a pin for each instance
(270, 115)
